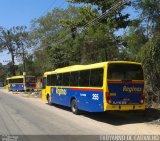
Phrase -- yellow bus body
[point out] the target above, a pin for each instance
(47, 90)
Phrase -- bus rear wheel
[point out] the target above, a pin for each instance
(74, 107)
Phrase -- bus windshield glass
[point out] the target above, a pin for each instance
(125, 72)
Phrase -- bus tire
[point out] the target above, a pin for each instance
(74, 107)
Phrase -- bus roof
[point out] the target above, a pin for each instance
(125, 62)
(69, 67)
(47, 73)
(18, 76)
(14, 77)
(85, 67)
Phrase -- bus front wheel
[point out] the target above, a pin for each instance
(74, 107)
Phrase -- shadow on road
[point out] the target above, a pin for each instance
(126, 117)
(60, 107)
(121, 117)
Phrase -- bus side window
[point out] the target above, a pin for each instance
(59, 79)
(20, 80)
(51, 80)
(66, 79)
(74, 78)
(96, 77)
(84, 78)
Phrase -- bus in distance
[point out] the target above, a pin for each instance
(112, 85)
(20, 83)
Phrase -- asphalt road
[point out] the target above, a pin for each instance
(31, 116)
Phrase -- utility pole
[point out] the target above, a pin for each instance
(23, 55)
(24, 67)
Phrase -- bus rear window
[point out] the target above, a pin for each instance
(125, 72)
(16, 80)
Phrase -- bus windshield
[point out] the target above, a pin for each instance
(125, 72)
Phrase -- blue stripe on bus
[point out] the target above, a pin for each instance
(124, 94)
(16, 87)
(87, 99)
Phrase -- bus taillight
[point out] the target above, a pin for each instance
(142, 99)
(108, 98)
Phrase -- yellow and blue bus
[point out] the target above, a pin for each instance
(112, 85)
(20, 83)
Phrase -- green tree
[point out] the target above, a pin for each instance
(13, 40)
(134, 40)
(150, 14)
(56, 36)
(116, 19)
(150, 51)
(63, 34)
(2, 71)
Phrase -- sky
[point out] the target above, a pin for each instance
(22, 12)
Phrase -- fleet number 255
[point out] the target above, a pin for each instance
(95, 96)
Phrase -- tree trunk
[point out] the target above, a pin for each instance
(13, 64)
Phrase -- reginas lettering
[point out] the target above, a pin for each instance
(61, 91)
(132, 89)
